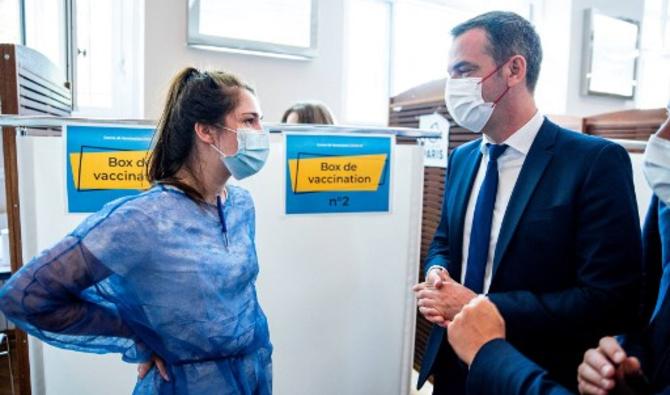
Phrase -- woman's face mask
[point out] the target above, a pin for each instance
(253, 148)
(656, 167)
(463, 97)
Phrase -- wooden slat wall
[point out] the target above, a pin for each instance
(626, 125)
(29, 85)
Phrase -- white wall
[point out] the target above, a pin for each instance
(278, 82)
(328, 303)
(578, 104)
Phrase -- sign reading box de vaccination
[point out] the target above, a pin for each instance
(104, 163)
(343, 173)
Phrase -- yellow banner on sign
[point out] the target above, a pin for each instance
(110, 170)
(337, 173)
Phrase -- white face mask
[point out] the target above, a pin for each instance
(463, 97)
(465, 103)
(656, 167)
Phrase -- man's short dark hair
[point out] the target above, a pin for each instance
(509, 34)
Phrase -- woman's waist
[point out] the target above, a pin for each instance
(209, 343)
(260, 345)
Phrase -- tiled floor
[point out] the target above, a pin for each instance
(427, 388)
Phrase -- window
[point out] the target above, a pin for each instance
(10, 21)
(421, 42)
(422, 36)
(395, 45)
(108, 58)
(285, 28)
(45, 30)
(367, 62)
(654, 81)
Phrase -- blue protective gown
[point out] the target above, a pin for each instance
(151, 273)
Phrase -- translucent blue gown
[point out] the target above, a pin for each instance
(152, 273)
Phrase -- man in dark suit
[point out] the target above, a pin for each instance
(541, 219)
(640, 367)
(649, 348)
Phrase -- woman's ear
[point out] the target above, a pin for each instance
(204, 133)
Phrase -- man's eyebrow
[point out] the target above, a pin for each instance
(461, 64)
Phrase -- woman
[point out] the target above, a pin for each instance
(308, 112)
(169, 272)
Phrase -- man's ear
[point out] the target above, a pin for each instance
(517, 70)
(204, 133)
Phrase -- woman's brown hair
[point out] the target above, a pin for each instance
(206, 97)
(310, 112)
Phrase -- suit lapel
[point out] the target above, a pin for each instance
(463, 182)
(533, 167)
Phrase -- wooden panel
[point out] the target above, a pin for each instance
(29, 85)
(567, 121)
(629, 124)
(9, 105)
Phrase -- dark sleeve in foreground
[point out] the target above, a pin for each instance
(499, 369)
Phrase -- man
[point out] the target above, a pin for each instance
(541, 219)
(649, 348)
(477, 333)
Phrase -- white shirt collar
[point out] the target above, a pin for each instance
(522, 139)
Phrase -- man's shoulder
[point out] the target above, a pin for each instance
(577, 139)
(466, 149)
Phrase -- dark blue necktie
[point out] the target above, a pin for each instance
(480, 234)
(664, 229)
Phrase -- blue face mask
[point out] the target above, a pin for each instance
(253, 147)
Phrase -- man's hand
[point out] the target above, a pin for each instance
(604, 366)
(478, 323)
(144, 368)
(437, 276)
(440, 305)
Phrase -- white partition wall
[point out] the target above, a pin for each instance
(336, 288)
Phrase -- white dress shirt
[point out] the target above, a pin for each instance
(509, 167)
(657, 167)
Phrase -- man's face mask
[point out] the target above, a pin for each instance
(253, 147)
(463, 97)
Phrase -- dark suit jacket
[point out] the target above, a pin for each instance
(567, 265)
(499, 368)
(651, 344)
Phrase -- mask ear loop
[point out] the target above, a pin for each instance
(495, 102)
(219, 151)
(223, 154)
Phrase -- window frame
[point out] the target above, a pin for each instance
(251, 47)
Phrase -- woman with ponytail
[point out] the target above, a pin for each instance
(167, 277)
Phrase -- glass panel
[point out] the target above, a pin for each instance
(45, 29)
(366, 68)
(285, 22)
(94, 53)
(421, 41)
(283, 28)
(10, 22)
